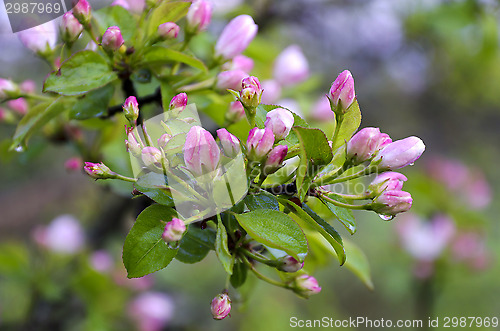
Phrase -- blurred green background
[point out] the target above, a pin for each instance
(426, 68)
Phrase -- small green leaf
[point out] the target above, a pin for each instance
(154, 186)
(239, 274)
(276, 230)
(160, 54)
(35, 119)
(85, 71)
(221, 248)
(351, 122)
(321, 226)
(358, 263)
(315, 153)
(144, 251)
(262, 200)
(167, 11)
(343, 215)
(93, 104)
(195, 244)
(116, 16)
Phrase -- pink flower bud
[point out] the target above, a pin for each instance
(41, 39)
(251, 92)
(28, 86)
(179, 102)
(365, 144)
(392, 202)
(133, 146)
(82, 13)
(199, 15)
(98, 170)
(291, 67)
(275, 159)
(236, 112)
(201, 153)
(235, 37)
(163, 140)
(280, 121)
(306, 285)
(8, 89)
(19, 105)
(173, 230)
(322, 110)
(342, 92)
(399, 154)
(387, 181)
(151, 156)
(221, 306)
(271, 92)
(239, 62)
(290, 264)
(70, 28)
(230, 79)
(151, 311)
(168, 30)
(131, 109)
(259, 143)
(101, 261)
(73, 164)
(112, 39)
(230, 144)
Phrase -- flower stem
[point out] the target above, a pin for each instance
(261, 276)
(344, 205)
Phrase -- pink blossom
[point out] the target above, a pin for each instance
(151, 311)
(201, 153)
(235, 37)
(342, 93)
(271, 91)
(291, 66)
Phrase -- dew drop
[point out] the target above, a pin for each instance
(412, 163)
(386, 217)
(19, 149)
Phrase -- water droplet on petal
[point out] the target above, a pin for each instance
(386, 217)
(412, 163)
(19, 149)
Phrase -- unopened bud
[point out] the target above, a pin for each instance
(8, 89)
(168, 30)
(112, 39)
(82, 13)
(173, 230)
(306, 285)
(389, 181)
(151, 156)
(179, 102)
(230, 79)
(280, 121)
(236, 112)
(201, 153)
(98, 170)
(259, 143)
(70, 28)
(291, 66)
(19, 105)
(365, 144)
(230, 144)
(399, 154)
(342, 92)
(290, 264)
(131, 109)
(199, 16)
(251, 92)
(163, 140)
(221, 306)
(392, 202)
(133, 145)
(235, 37)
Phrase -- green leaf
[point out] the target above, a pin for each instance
(351, 122)
(321, 226)
(93, 104)
(85, 71)
(260, 119)
(262, 200)
(221, 248)
(315, 153)
(358, 263)
(239, 275)
(343, 215)
(167, 12)
(160, 54)
(35, 119)
(144, 250)
(276, 230)
(116, 16)
(154, 186)
(195, 244)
